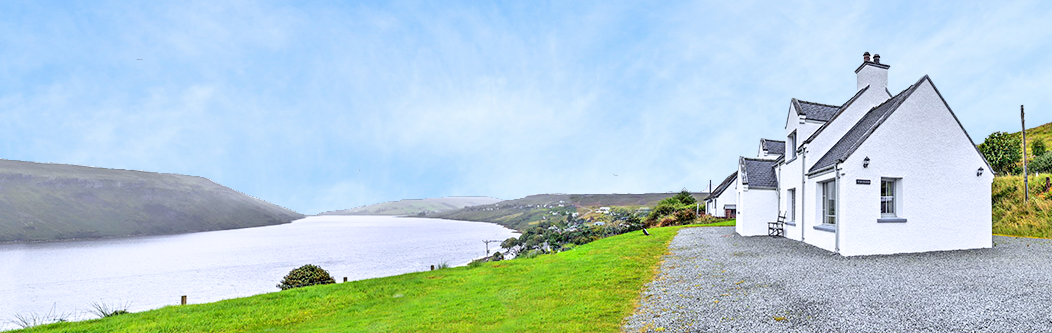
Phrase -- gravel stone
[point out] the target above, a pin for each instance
(717, 281)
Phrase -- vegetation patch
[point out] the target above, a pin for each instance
(591, 288)
(1012, 216)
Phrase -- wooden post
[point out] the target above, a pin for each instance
(432, 267)
(344, 279)
(183, 300)
(1026, 175)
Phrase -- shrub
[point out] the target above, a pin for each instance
(1037, 147)
(1042, 163)
(307, 275)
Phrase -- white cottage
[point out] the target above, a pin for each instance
(878, 174)
(721, 201)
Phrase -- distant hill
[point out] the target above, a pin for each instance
(416, 206)
(41, 201)
(519, 214)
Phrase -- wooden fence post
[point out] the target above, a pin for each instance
(344, 279)
(432, 267)
(183, 300)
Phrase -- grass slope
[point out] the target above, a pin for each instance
(416, 206)
(588, 289)
(40, 201)
(1043, 133)
(519, 214)
(1011, 216)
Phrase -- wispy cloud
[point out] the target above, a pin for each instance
(288, 102)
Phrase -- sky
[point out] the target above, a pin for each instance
(318, 106)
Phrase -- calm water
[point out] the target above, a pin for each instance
(151, 272)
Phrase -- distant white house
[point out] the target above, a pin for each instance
(721, 201)
(604, 210)
(878, 174)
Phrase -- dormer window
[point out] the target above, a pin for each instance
(790, 145)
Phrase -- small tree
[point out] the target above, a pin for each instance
(306, 275)
(685, 198)
(1002, 150)
(1037, 147)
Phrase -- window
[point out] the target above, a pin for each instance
(790, 205)
(790, 145)
(829, 202)
(887, 197)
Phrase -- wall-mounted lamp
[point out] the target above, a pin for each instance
(865, 162)
(980, 172)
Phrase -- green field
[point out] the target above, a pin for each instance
(588, 289)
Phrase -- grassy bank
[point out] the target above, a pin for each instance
(588, 289)
(1012, 217)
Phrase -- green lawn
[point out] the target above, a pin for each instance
(588, 289)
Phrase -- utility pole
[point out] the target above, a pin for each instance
(1026, 175)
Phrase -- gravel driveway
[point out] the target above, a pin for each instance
(717, 281)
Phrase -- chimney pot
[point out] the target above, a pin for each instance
(876, 58)
(865, 57)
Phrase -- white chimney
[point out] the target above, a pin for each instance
(872, 73)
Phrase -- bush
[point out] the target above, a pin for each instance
(1042, 163)
(307, 275)
(1037, 147)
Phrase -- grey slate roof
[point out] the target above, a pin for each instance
(773, 147)
(862, 129)
(723, 186)
(759, 173)
(815, 111)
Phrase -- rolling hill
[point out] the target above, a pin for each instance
(519, 214)
(42, 201)
(416, 206)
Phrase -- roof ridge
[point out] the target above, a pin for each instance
(772, 140)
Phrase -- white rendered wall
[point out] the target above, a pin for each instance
(813, 213)
(789, 178)
(947, 207)
(757, 207)
(728, 197)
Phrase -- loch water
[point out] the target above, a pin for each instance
(150, 272)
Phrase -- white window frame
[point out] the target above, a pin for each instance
(890, 197)
(829, 211)
(790, 205)
(790, 144)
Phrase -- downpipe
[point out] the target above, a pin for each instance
(838, 212)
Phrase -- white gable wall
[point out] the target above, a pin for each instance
(946, 206)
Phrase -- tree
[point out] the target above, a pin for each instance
(1003, 151)
(509, 243)
(306, 275)
(1037, 147)
(685, 198)
(1042, 163)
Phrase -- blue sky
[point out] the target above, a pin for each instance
(318, 106)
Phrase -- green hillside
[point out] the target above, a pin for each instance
(416, 206)
(41, 201)
(588, 289)
(1043, 133)
(519, 214)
